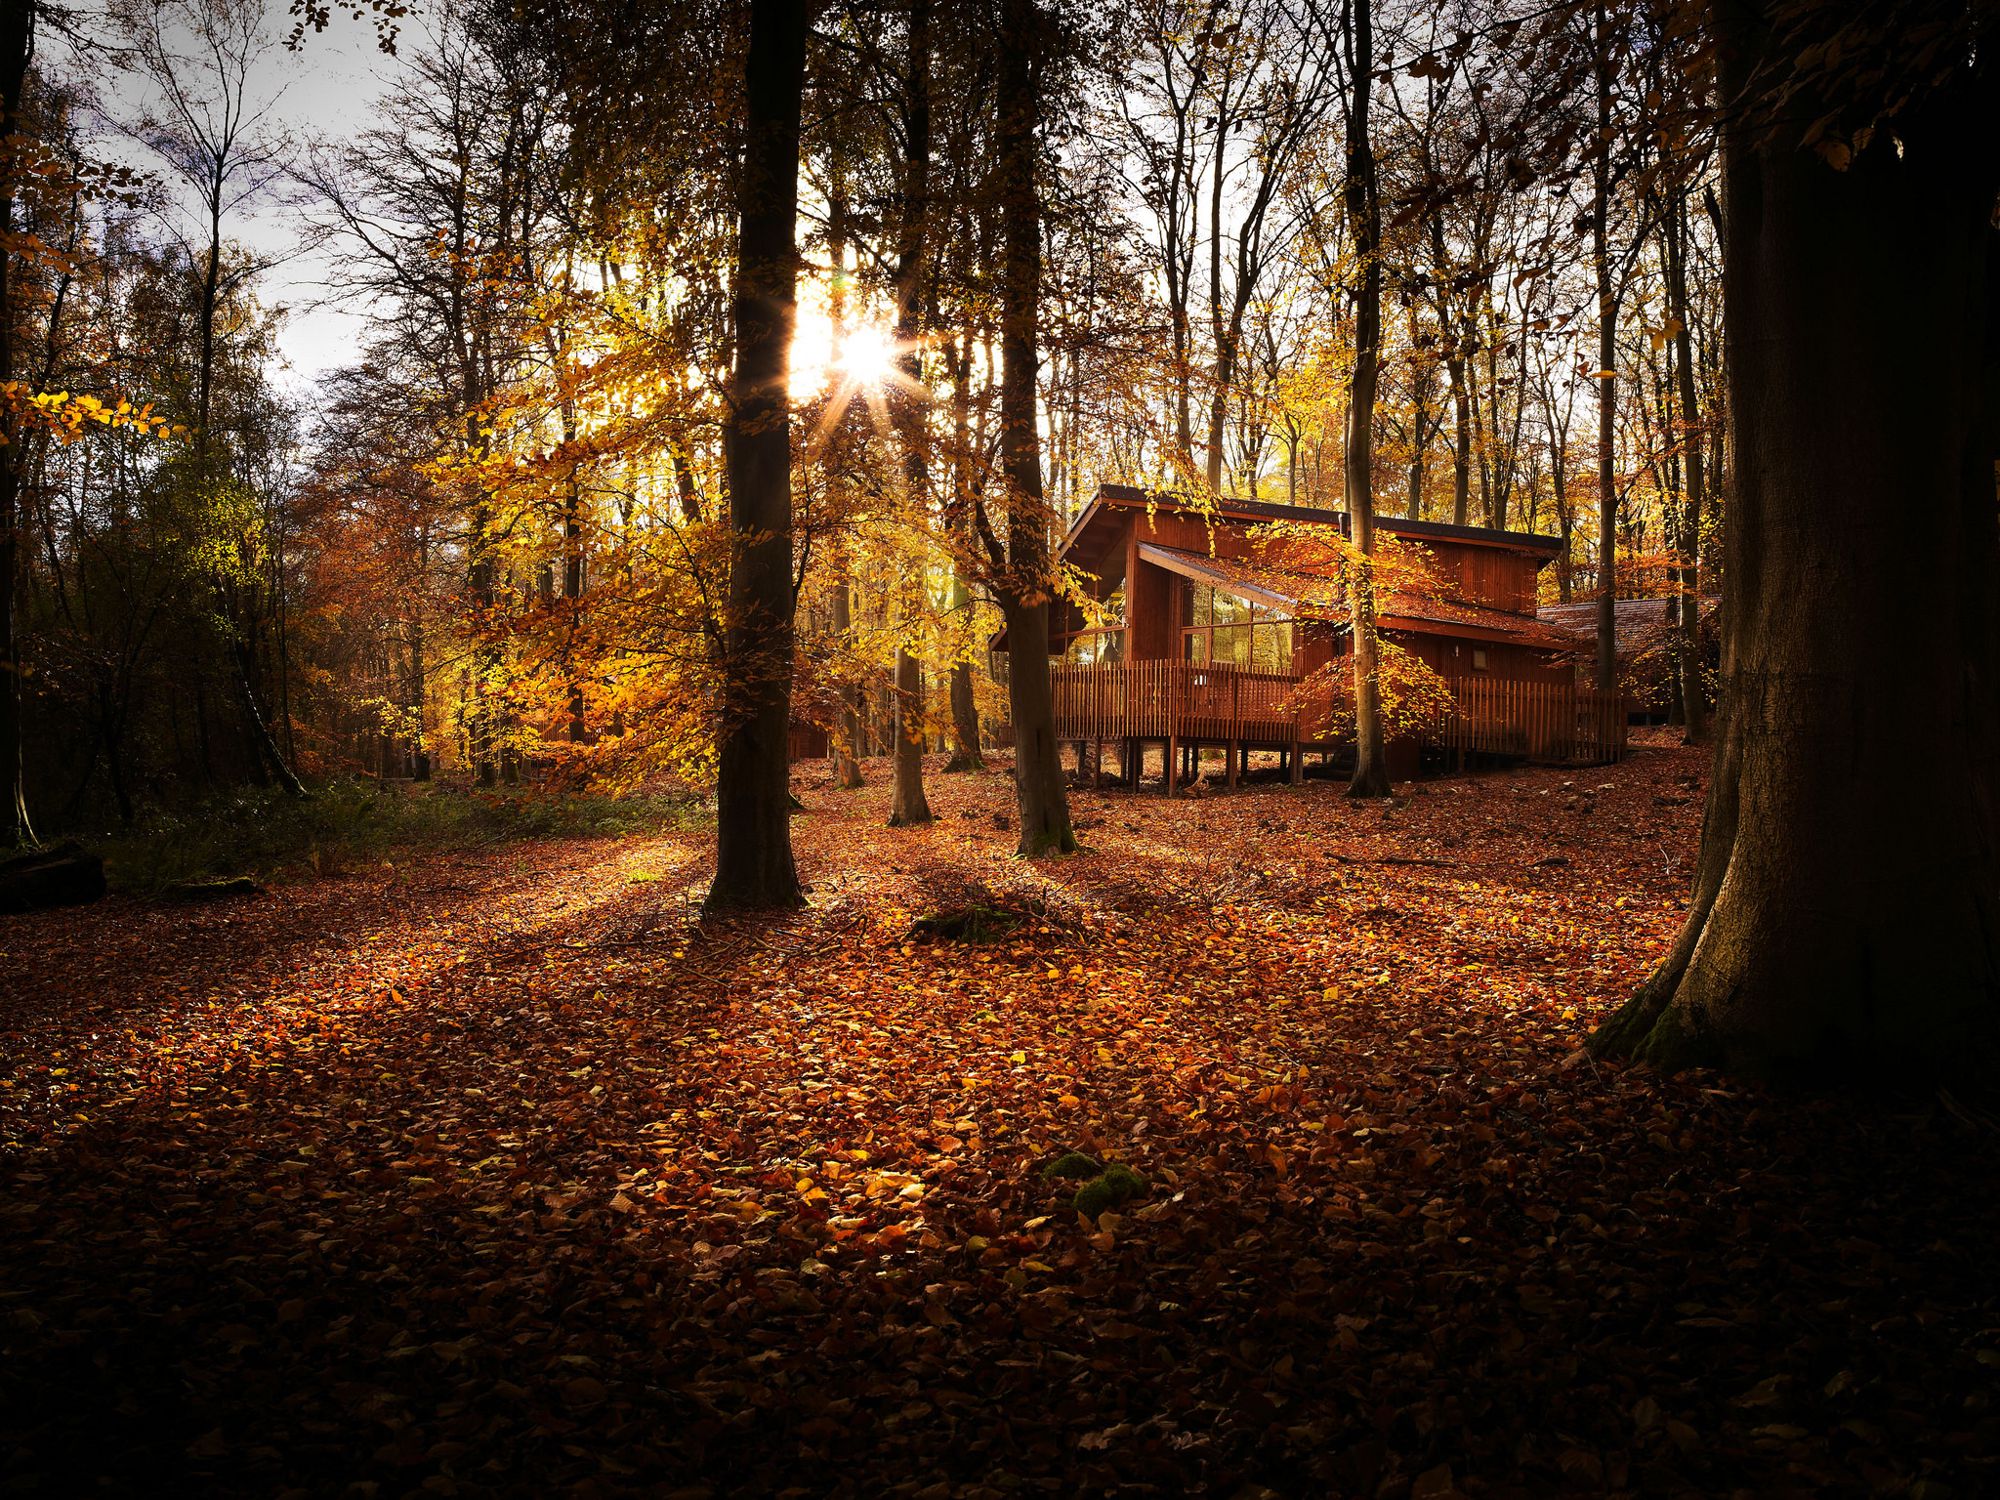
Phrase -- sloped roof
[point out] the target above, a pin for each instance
(1306, 595)
(1448, 616)
(1124, 497)
(1642, 624)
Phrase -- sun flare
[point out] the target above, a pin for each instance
(866, 357)
(861, 359)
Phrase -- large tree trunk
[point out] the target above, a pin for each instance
(17, 32)
(1042, 801)
(1371, 765)
(1845, 899)
(908, 806)
(753, 854)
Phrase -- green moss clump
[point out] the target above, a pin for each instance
(1072, 1164)
(1117, 1184)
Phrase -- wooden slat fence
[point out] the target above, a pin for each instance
(1543, 721)
(1158, 699)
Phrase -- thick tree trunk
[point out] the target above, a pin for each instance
(1040, 796)
(753, 856)
(1846, 897)
(908, 805)
(1371, 765)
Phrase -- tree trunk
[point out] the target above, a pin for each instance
(1565, 522)
(908, 805)
(17, 30)
(572, 536)
(966, 754)
(1607, 380)
(1218, 410)
(1461, 441)
(1371, 766)
(1845, 895)
(1687, 637)
(753, 855)
(846, 737)
(1041, 798)
(261, 743)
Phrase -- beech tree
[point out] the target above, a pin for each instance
(1025, 48)
(1836, 923)
(1364, 212)
(753, 861)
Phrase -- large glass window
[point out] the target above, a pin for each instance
(1089, 648)
(1229, 632)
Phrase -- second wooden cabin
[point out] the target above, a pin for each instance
(1215, 618)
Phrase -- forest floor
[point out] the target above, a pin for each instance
(497, 1172)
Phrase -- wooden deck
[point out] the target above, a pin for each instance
(1185, 704)
(1158, 700)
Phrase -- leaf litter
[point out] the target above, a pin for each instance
(504, 1172)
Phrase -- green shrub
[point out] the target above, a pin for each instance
(263, 833)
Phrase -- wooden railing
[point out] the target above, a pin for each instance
(1172, 699)
(1545, 721)
(1161, 700)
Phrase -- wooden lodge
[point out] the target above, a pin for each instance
(1220, 625)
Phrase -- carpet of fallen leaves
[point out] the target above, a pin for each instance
(498, 1172)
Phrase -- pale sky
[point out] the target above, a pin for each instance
(325, 91)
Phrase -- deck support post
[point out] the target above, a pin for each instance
(1296, 761)
(1170, 764)
(1232, 755)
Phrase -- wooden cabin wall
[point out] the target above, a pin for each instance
(1150, 606)
(1452, 657)
(1489, 576)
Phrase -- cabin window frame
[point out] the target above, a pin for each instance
(1279, 629)
(1113, 637)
